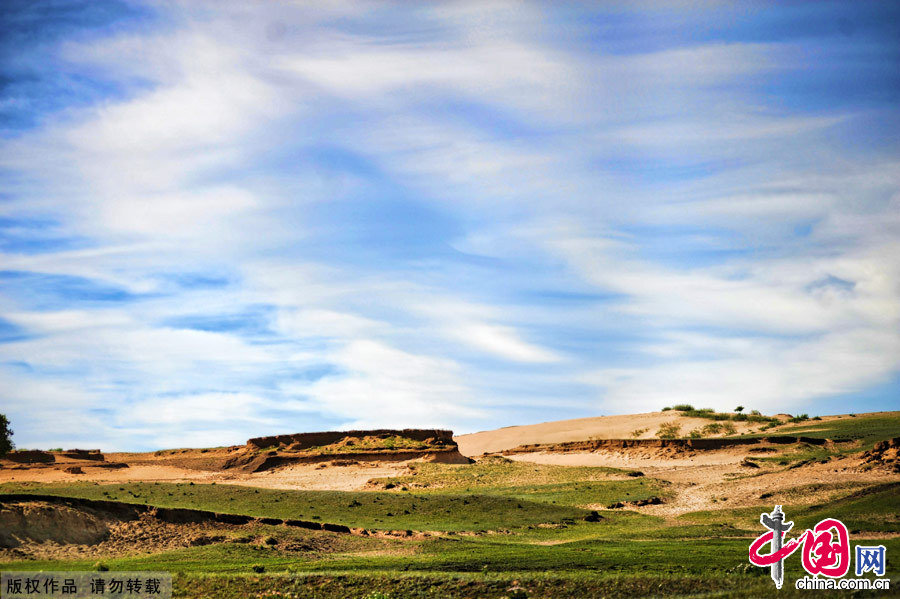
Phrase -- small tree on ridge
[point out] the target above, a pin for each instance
(6, 443)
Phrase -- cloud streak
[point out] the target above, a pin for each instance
(250, 219)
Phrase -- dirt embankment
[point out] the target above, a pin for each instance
(674, 444)
(31, 457)
(39, 526)
(885, 454)
(301, 441)
(382, 445)
(48, 527)
(288, 461)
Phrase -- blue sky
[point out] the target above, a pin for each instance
(227, 219)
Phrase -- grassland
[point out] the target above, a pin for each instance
(378, 510)
(505, 533)
(500, 528)
(866, 429)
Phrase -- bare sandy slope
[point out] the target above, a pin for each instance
(582, 429)
(709, 480)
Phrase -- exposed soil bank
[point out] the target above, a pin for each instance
(60, 515)
(252, 462)
(683, 444)
(301, 441)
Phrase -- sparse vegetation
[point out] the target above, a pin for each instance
(504, 526)
(636, 433)
(713, 428)
(668, 430)
(688, 411)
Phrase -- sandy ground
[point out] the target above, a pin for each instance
(709, 480)
(305, 476)
(333, 478)
(698, 479)
(582, 429)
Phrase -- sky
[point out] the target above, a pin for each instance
(227, 219)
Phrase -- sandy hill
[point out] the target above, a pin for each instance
(582, 429)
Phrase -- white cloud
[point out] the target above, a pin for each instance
(385, 387)
(503, 342)
(548, 161)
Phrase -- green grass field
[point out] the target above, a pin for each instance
(506, 533)
(499, 528)
(866, 428)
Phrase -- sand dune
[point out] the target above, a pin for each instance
(581, 429)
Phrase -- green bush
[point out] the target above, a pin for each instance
(713, 428)
(683, 407)
(669, 430)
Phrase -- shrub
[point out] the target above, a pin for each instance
(713, 428)
(739, 409)
(755, 413)
(669, 430)
(666, 409)
(739, 417)
(696, 434)
(760, 418)
(728, 428)
(638, 432)
(683, 407)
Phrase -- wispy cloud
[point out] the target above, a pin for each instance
(243, 218)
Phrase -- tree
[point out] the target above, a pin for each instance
(6, 443)
(739, 409)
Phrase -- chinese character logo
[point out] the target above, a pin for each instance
(870, 559)
(775, 537)
(826, 549)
